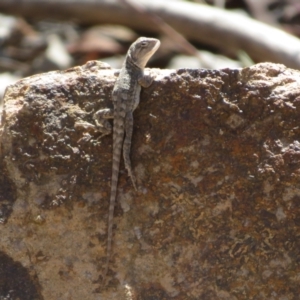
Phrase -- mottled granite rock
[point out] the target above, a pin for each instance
(217, 158)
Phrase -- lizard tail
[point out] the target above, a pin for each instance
(117, 147)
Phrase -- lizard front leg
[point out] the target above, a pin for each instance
(145, 80)
(127, 146)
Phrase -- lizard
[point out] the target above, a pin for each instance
(126, 97)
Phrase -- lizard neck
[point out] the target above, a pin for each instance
(130, 63)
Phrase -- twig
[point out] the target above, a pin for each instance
(165, 28)
(218, 28)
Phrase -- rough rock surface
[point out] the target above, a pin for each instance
(217, 159)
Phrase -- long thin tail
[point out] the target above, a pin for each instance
(117, 147)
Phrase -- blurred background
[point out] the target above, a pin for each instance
(45, 35)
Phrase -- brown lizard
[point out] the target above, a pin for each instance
(126, 97)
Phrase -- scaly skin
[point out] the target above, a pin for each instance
(126, 97)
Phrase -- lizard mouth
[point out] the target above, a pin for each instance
(157, 44)
(155, 47)
(152, 51)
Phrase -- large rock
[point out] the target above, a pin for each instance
(217, 160)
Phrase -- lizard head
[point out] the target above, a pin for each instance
(142, 49)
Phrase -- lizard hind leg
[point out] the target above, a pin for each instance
(102, 124)
(127, 146)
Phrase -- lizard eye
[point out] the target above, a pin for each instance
(144, 44)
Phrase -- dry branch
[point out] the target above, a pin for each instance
(226, 30)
